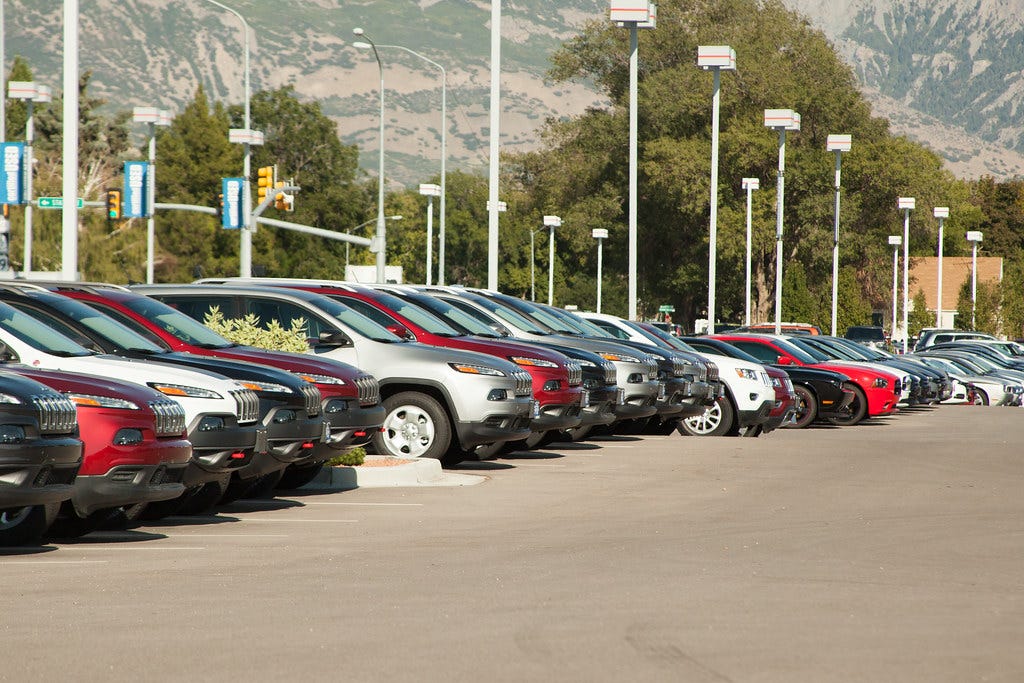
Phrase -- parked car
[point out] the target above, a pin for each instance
(868, 335)
(350, 398)
(40, 454)
(931, 336)
(221, 415)
(785, 328)
(979, 388)
(913, 383)
(439, 403)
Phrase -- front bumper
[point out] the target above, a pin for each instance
(39, 472)
(222, 450)
(128, 485)
(512, 424)
(758, 416)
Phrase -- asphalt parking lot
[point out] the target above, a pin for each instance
(887, 551)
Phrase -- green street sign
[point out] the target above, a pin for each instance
(666, 308)
(56, 202)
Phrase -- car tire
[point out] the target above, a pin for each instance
(296, 477)
(69, 524)
(980, 397)
(26, 525)
(857, 410)
(203, 498)
(717, 420)
(416, 426)
(806, 408)
(578, 433)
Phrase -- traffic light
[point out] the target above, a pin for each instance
(264, 181)
(7, 210)
(219, 205)
(113, 204)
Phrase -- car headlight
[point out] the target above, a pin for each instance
(526, 361)
(476, 369)
(93, 401)
(184, 391)
(8, 399)
(272, 387)
(656, 356)
(880, 383)
(747, 373)
(586, 363)
(620, 357)
(319, 379)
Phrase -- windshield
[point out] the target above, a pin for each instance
(588, 328)
(837, 350)
(105, 327)
(508, 315)
(722, 349)
(808, 350)
(458, 319)
(798, 352)
(175, 322)
(356, 321)
(665, 337)
(416, 315)
(37, 335)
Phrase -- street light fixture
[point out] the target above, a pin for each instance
(600, 234)
(30, 92)
(942, 213)
(895, 241)
(781, 120)
(430, 190)
(974, 236)
(349, 232)
(551, 222)
(715, 58)
(634, 15)
(380, 239)
(907, 205)
(837, 144)
(153, 117)
(749, 184)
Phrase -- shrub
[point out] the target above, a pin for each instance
(249, 332)
(351, 458)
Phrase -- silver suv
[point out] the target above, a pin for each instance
(440, 403)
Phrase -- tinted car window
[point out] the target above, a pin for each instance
(762, 352)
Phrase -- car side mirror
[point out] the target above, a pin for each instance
(400, 331)
(334, 338)
(785, 360)
(501, 329)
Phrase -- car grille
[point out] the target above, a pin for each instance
(312, 397)
(57, 414)
(712, 372)
(652, 367)
(248, 404)
(680, 366)
(170, 418)
(524, 384)
(610, 373)
(575, 373)
(369, 390)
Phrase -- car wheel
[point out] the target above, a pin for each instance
(579, 433)
(715, 421)
(751, 431)
(295, 477)
(980, 397)
(70, 525)
(856, 411)
(416, 426)
(264, 485)
(488, 451)
(203, 498)
(806, 408)
(25, 525)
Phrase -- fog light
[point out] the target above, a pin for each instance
(283, 416)
(552, 385)
(497, 395)
(211, 423)
(635, 378)
(336, 406)
(11, 434)
(127, 437)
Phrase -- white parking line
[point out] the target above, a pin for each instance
(303, 521)
(227, 535)
(7, 564)
(368, 504)
(534, 464)
(115, 545)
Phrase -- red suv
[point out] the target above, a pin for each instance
(135, 453)
(351, 398)
(557, 379)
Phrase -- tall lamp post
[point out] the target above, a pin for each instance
(894, 241)
(942, 213)
(153, 117)
(634, 15)
(974, 236)
(837, 144)
(600, 234)
(715, 58)
(430, 191)
(781, 120)
(380, 239)
(349, 232)
(906, 204)
(31, 93)
(551, 222)
(749, 184)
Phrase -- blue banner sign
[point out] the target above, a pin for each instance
(12, 173)
(231, 213)
(135, 202)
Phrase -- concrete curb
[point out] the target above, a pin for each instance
(419, 472)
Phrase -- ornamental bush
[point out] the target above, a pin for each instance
(250, 332)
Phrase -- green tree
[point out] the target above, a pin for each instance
(919, 315)
(986, 311)
(1013, 300)
(799, 304)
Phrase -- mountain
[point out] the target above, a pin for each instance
(945, 72)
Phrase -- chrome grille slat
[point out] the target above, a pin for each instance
(57, 414)
(610, 373)
(170, 417)
(247, 404)
(524, 383)
(712, 372)
(575, 373)
(312, 398)
(369, 390)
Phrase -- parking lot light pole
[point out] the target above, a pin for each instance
(895, 241)
(600, 234)
(31, 93)
(715, 58)
(837, 144)
(430, 190)
(974, 236)
(942, 213)
(907, 205)
(781, 120)
(749, 184)
(551, 222)
(153, 117)
(380, 239)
